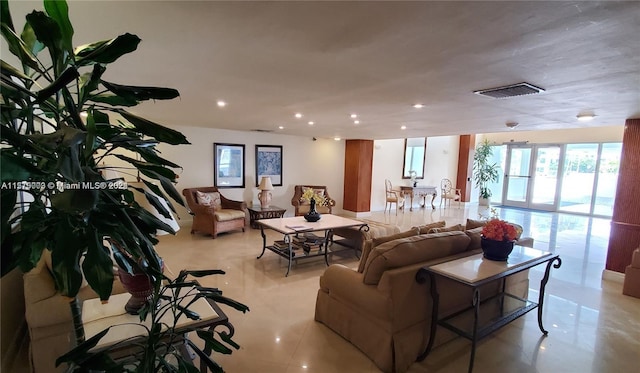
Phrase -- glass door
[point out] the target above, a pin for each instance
(518, 175)
(531, 180)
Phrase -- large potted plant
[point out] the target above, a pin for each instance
(61, 123)
(484, 171)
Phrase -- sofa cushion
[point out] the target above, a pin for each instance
(475, 236)
(411, 250)
(211, 199)
(228, 214)
(374, 242)
(471, 224)
(424, 229)
(453, 228)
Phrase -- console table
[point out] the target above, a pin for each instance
(420, 192)
(293, 227)
(256, 213)
(474, 271)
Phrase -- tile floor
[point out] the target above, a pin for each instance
(592, 326)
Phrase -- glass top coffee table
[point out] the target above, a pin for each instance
(474, 271)
(299, 234)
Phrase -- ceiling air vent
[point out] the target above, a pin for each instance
(519, 89)
(261, 130)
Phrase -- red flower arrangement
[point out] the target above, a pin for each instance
(499, 230)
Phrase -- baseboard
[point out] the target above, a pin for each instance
(353, 214)
(613, 276)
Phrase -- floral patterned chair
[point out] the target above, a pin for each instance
(302, 196)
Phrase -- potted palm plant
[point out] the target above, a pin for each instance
(61, 122)
(484, 171)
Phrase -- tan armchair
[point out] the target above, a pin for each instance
(223, 215)
(449, 193)
(302, 206)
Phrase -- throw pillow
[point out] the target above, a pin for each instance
(424, 229)
(475, 224)
(475, 235)
(453, 228)
(369, 245)
(211, 199)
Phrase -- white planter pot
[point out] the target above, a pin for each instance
(484, 201)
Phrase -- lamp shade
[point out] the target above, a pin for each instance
(265, 183)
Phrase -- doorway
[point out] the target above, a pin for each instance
(531, 177)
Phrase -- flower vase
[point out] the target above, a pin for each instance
(312, 215)
(496, 250)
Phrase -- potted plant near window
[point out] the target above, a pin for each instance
(484, 172)
(61, 121)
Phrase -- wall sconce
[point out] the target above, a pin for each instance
(265, 195)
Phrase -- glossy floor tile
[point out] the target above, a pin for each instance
(592, 326)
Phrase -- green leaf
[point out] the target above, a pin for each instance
(30, 40)
(10, 71)
(80, 352)
(89, 82)
(65, 258)
(75, 201)
(69, 75)
(154, 130)
(18, 47)
(205, 272)
(98, 267)
(5, 14)
(211, 365)
(49, 33)
(106, 51)
(113, 100)
(59, 11)
(141, 93)
(212, 343)
(16, 168)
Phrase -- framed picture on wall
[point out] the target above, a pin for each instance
(228, 163)
(269, 163)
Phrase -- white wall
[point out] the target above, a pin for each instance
(441, 162)
(305, 161)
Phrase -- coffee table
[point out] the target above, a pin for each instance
(295, 227)
(474, 271)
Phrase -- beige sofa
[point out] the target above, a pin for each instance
(48, 316)
(382, 310)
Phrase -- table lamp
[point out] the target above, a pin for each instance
(265, 195)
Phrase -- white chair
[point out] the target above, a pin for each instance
(449, 193)
(392, 196)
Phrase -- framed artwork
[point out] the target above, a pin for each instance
(228, 165)
(269, 163)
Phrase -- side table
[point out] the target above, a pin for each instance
(256, 213)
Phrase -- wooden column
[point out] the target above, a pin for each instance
(358, 170)
(465, 166)
(625, 223)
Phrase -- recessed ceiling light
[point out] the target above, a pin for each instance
(336, 138)
(298, 115)
(354, 116)
(356, 122)
(418, 106)
(311, 123)
(221, 103)
(403, 127)
(585, 117)
(281, 127)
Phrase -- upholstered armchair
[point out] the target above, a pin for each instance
(302, 206)
(213, 213)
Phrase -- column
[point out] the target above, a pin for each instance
(358, 170)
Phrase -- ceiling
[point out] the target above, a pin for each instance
(328, 60)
